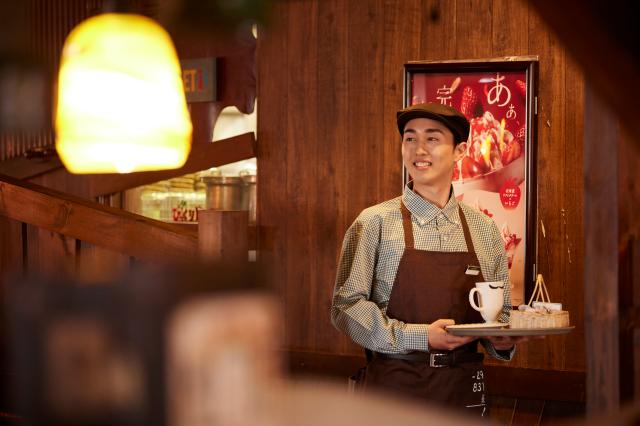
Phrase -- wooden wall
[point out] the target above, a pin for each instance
(329, 82)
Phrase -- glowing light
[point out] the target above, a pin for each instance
(121, 104)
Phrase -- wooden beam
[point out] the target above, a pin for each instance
(601, 138)
(203, 156)
(611, 69)
(107, 227)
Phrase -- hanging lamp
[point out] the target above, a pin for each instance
(121, 105)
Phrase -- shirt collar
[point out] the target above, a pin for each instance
(427, 211)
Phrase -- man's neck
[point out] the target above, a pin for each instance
(439, 196)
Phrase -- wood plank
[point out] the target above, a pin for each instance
(588, 34)
(98, 265)
(202, 157)
(601, 251)
(473, 27)
(571, 292)
(399, 47)
(302, 168)
(330, 187)
(438, 32)
(508, 30)
(273, 206)
(54, 255)
(222, 236)
(108, 227)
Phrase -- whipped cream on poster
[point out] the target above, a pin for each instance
(510, 240)
(490, 147)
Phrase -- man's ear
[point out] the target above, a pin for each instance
(459, 150)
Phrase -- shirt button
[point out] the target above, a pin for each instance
(445, 238)
(421, 222)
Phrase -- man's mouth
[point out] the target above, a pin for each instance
(422, 164)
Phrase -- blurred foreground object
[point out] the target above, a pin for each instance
(222, 361)
(121, 105)
(96, 354)
(196, 346)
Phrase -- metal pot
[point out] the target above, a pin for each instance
(225, 193)
(249, 194)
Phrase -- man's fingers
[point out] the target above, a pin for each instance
(442, 323)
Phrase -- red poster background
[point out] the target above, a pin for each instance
(491, 176)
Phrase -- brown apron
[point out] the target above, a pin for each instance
(431, 285)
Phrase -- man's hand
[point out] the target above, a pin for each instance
(440, 339)
(505, 343)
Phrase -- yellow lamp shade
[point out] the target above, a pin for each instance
(121, 105)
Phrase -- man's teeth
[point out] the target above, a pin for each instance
(422, 163)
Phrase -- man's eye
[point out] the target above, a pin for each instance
(410, 139)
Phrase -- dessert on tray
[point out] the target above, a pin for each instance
(539, 313)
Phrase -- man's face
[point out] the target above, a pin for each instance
(428, 152)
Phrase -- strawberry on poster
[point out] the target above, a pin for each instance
(491, 175)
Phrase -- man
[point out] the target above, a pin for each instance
(407, 266)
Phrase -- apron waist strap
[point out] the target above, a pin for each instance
(435, 359)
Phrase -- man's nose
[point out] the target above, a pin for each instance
(423, 147)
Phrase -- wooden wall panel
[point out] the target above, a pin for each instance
(509, 36)
(97, 265)
(49, 254)
(473, 23)
(300, 181)
(571, 288)
(330, 185)
(345, 60)
(272, 203)
(438, 29)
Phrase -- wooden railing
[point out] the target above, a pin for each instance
(108, 227)
(49, 231)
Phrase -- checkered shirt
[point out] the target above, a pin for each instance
(371, 253)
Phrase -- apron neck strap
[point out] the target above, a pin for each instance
(407, 226)
(465, 229)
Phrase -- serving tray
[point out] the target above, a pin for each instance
(506, 331)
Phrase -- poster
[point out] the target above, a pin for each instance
(496, 175)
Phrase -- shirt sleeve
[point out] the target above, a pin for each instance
(501, 273)
(352, 311)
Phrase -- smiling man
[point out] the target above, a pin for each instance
(407, 266)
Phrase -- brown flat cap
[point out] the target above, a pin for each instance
(450, 117)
